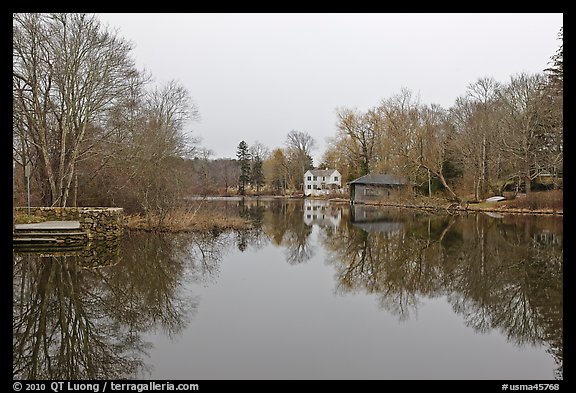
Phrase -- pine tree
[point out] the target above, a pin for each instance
(556, 72)
(257, 177)
(554, 122)
(244, 159)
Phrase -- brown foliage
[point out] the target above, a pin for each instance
(552, 200)
(181, 220)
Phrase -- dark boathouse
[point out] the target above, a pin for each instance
(375, 187)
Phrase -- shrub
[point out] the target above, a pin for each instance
(553, 200)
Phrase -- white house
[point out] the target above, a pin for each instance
(321, 181)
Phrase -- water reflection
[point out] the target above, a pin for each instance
(497, 274)
(254, 236)
(82, 314)
(322, 213)
(86, 313)
(284, 226)
(61, 323)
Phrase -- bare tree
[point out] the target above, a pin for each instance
(523, 136)
(257, 149)
(335, 156)
(433, 137)
(299, 146)
(226, 172)
(67, 72)
(360, 131)
(157, 145)
(276, 170)
(475, 118)
(420, 137)
(300, 141)
(484, 93)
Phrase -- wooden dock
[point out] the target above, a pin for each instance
(49, 233)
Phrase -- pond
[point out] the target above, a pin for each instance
(315, 290)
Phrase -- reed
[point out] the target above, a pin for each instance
(183, 220)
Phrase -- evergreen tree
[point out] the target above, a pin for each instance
(244, 160)
(553, 123)
(556, 72)
(257, 177)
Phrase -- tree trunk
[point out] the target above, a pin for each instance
(527, 184)
(475, 185)
(429, 185)
(484, 169)
(75, 195)
(443, 181)
(452, 194)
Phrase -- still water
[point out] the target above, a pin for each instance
(314, 291)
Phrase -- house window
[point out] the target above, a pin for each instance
(323, 178)
(309, 178)
(309, 186)
(335, 178)
(314, 178)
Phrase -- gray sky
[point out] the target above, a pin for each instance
(255, 77)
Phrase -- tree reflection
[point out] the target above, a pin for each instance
(254, 211)
(285, 227)
(61, 329)
(147, 292)
(279, 222)
(497, 274)
(204, 251)
(76, 319)
(387, 261)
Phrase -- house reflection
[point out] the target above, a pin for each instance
(375, 219)
(503, 274)
(322, 213)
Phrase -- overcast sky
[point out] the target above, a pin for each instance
(255, 77)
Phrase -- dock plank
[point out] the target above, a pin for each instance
(49, 225)
(37, 240)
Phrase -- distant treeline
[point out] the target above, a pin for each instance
(91, 129)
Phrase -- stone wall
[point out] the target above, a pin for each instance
(101, 223)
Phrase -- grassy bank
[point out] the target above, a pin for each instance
(176, 221)
(541, 202)
(187, 221)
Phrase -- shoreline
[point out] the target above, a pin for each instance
(438, 206)
(455, 208)
(215, 222)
